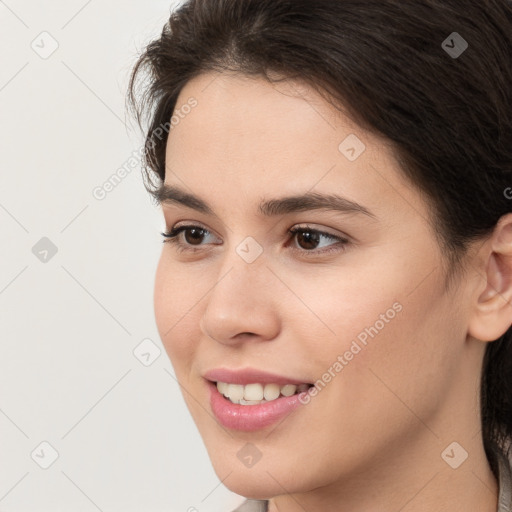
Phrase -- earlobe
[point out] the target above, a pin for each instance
(492, 313)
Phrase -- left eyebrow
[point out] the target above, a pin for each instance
(169, 194)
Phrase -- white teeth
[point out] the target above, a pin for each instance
(256, 393)
(221, 386)
(235, 391)
(289, 389)
(271, 391)
(251, 402)
(253, 392)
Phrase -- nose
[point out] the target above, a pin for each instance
(243, 304)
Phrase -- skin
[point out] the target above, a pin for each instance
(372, 438)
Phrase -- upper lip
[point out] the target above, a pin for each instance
(249, 376)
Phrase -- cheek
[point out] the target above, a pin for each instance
(174, 303)
(405, 358)
(377, 328)
(342, 309)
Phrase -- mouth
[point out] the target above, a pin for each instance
(258, 393)
(255, 406)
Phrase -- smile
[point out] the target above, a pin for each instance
(256, 393)
(236, 412)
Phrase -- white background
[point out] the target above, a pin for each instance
(69, 325)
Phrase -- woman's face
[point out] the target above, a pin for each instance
(372, 313)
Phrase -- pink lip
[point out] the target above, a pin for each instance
(250, 417)
(249, 376)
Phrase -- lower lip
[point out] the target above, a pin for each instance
(250, 417)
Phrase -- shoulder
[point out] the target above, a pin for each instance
(252, 506)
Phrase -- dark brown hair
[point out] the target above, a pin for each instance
(398, 69)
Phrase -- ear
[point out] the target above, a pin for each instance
(492, 314)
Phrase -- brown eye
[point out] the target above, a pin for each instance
(307, 239)
(193, 236)
(196, 235)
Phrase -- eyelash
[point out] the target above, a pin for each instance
(173, 237)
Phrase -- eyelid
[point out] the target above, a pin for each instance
(183, 225)
(173, 236)
(296, 227)
(323, 231)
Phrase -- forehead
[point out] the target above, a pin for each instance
(239, 116)
(253, 110)
(252, 137)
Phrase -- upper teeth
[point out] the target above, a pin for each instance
(255, 393)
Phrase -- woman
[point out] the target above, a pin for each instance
(335, 288)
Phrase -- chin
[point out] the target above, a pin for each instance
(248, 486)
(262, 481)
